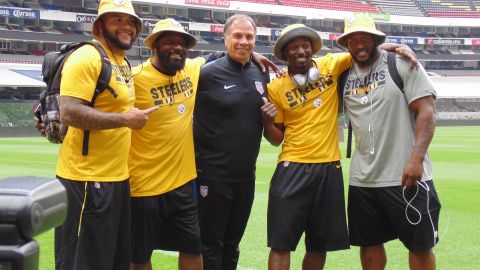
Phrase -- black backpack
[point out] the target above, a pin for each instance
(48, 111)
(392, 70)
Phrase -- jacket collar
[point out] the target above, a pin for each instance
(238, 64)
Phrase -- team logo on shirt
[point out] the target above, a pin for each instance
(364, 100)
(317, 102)
(181, 109)
(259, 86)
(203, 191)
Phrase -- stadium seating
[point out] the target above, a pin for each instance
(16, 57)
(454, 14)
(458, 109)
(450, 8)
(419, 8)
(343, 5)
(399, 7)
(454, 106)
(268, 2)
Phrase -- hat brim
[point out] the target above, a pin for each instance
(380, 37)
(304, 32)
(150, 40)
(138, 22)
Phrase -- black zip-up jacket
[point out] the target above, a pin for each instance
(227, 122)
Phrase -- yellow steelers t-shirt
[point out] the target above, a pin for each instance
(310, 118)
(108, 149)
(162, 155)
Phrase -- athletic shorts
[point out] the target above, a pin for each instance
(96, 233)
(168, 222)
(307, 198)
(377, 215)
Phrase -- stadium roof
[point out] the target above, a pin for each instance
(16, 75)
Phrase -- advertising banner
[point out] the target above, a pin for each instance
(402, 40)
(216, 28)
(214, 3)
(444, 41)
(22, 13)
(85, 18)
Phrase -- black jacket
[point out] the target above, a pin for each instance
(227, 123)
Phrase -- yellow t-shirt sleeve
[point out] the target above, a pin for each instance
(80, 73)
(337, 62)
(200, 61)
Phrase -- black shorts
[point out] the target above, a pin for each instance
(307, 198)
(96, 233)
(377, 215)
(168, 222)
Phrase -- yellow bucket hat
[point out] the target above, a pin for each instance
(360, 23)
(116, 6)
(294, 31)
(168, 25)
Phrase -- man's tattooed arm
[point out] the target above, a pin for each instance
(75, 112)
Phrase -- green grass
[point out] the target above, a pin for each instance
(455, 152)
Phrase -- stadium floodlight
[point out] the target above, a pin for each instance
(28, 207)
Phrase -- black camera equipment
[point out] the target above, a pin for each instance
(28, 206)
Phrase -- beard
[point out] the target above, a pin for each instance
(168, 64)
(370, 59)
(115, 41)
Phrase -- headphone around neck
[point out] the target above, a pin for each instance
(310, 78)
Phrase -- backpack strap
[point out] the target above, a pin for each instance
(102, 85)
(349, 140)
(342, 81)
(103, 82)
(392, 69)
(340, 88)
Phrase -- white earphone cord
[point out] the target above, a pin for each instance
(409, 205)
(371, 134)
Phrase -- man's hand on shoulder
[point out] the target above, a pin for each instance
(404, 51)
(264, 64)
(407, 53)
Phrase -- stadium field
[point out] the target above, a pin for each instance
(455, 153)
